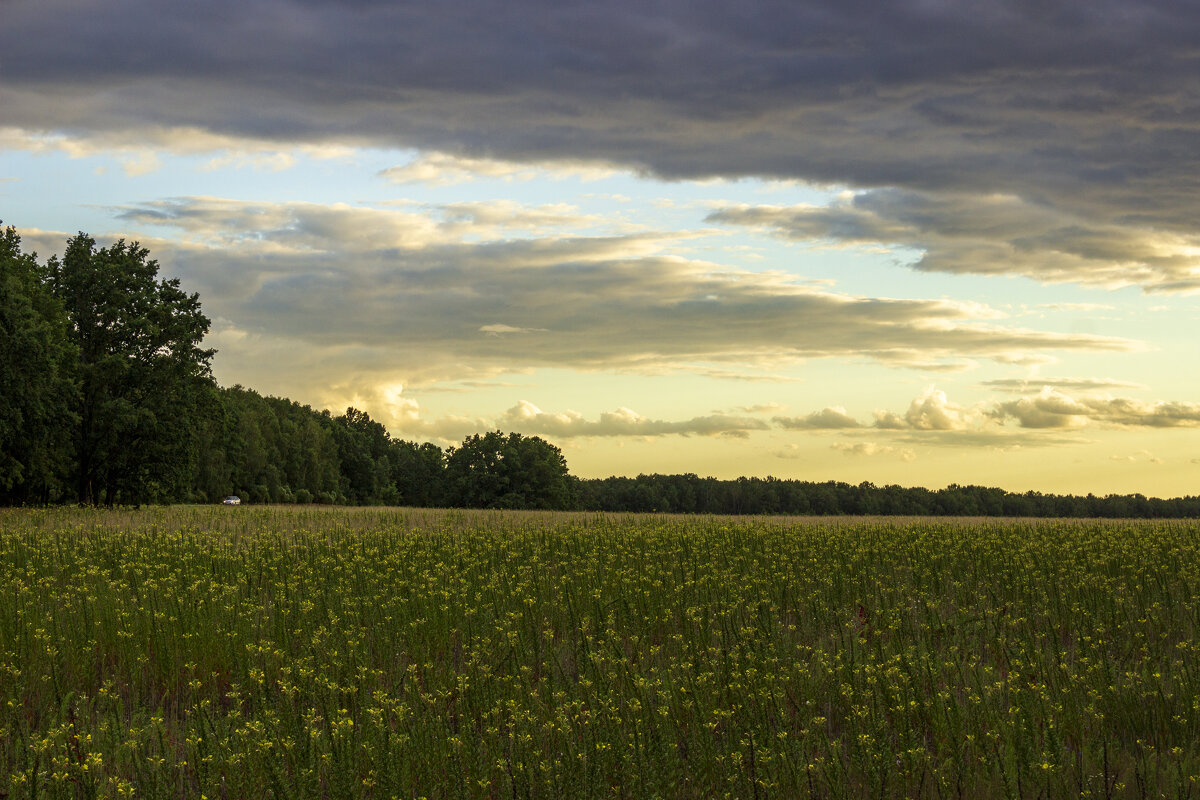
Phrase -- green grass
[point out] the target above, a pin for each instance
(310, 652)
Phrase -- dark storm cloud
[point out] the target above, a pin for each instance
(1091, 108)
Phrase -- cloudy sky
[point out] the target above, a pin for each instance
(914, 242)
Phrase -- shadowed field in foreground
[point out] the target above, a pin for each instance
(318, 652)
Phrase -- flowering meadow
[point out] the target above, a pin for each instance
(336, 653)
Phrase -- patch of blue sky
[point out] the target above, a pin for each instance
(52, 192)
(64, 193)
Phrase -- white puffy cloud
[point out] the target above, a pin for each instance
(527, 417)
(931, 411)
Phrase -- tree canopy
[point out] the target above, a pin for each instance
(142, 374)
(508, 471)
(36, 379)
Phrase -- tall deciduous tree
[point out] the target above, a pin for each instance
(141, 371)
(35, 380)
(420, 472)
(508, 471)
(364, 447)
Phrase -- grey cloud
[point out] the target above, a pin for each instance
(872, 449)
(1123, 411)
(444, 169)
(1053, 409)
(1134, 413)
(404, 415)
(511, 215)
(826, 418)
(501, 329)
(1026, 385)
(1087, 110)
(297, 227)
(463, 387)
(393, 288)
(1050, 409)
(720, 373)
(528, 418)
(996, 438)
(933, 417)
(761, 408)
(1078, 306)
(1027, 359)
(915, 359)
(890, 420)
(1140, 455)
(997, 234)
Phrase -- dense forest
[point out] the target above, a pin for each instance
(107, 397)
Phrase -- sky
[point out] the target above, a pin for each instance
(914, 242)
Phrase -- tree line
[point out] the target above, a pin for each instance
(274, 450)
(107, 397)
(691, 494)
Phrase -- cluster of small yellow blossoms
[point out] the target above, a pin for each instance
(370, 653)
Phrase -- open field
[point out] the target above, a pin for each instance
(318, 652)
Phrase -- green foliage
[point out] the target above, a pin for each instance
(368, 653)
(36, 380)
(690, 494)
(273, 443)
(364, 447)
(141, 371)
(269, 449)
(508, 471)
(420, 473)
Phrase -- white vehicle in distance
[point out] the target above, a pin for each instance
(232, 500)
